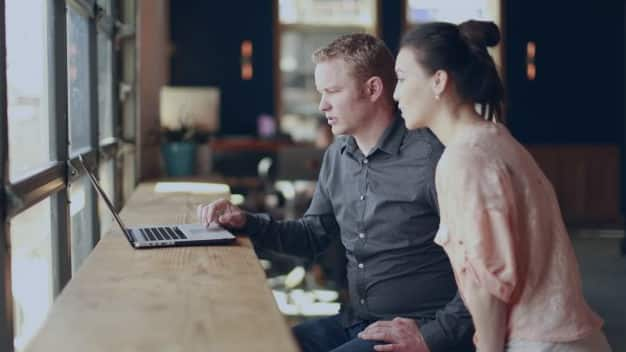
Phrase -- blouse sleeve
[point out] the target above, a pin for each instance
(485, 222)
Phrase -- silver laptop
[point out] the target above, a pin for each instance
(151, 236)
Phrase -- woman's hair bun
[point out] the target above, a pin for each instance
(480, 33)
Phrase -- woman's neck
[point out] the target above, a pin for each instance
(451, 120)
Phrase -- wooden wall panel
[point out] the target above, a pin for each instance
(153, 47)
(586, 179)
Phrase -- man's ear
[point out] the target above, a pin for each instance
(374, 88)
(439, 82)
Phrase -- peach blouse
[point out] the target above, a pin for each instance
(501, 226)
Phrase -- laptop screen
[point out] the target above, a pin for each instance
(108, 203)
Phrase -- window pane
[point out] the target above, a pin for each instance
(107, 175)
(90, 2)
(449, 11)
(31, 270)
(128, 176)
(105, 87)
(128, 96)
(106, 5)
(328, 12)
(27, 85)
(454, 11)
(78, 80)
(81, 224)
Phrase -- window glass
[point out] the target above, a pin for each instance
(107, 174)
(78, 80)
(82, 234)
(31, 271)
(105, 86)
(27, 86)
(328, 12)
(454, 11)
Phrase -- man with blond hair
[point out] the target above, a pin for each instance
(376, 191)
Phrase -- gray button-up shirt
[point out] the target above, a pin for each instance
(384, 207)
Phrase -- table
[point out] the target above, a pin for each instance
(206, 299)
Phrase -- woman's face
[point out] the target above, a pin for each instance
(414, 90)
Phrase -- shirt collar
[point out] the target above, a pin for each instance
(389, 142)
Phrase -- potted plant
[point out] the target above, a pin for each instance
(178, 148)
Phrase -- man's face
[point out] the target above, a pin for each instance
(343, 101)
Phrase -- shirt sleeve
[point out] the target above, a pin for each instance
(306, 237)
(431, 188)
(484, 219)
(321, 204)
(451, 330)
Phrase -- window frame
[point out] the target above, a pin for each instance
(53, 179)
(6, 305)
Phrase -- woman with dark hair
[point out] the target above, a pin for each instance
(500, 221)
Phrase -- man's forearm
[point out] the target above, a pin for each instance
(306, 237)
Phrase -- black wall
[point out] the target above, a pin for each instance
(207, 38)
(578, 94)
(391, 23)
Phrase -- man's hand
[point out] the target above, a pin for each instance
(402, 335)
(222, 212)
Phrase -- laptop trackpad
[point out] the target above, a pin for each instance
(199, 231)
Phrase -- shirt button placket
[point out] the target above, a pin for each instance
(361, 278)
(364, 161)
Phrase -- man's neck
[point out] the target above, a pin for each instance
(371, 134)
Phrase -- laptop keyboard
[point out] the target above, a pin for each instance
(162, 233)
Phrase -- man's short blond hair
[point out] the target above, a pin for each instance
(368, 56)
